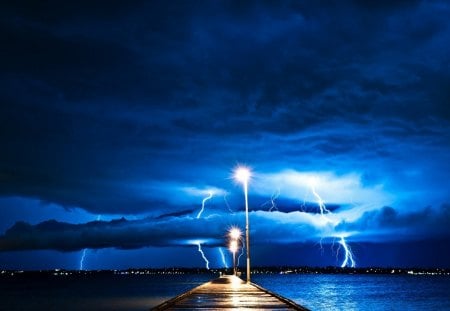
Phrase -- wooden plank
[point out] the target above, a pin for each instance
(227, 293)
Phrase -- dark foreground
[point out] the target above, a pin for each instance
(229, 292)
(134, 290)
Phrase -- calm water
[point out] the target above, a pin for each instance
(362, 292)
(317, 292)
(99, 292)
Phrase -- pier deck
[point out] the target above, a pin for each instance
(229, 292)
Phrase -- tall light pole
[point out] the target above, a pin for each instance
(242, 174)
(233, 249)
(235, 235)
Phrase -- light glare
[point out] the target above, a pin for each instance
(242, 174)
(235, 233)
(233, 246)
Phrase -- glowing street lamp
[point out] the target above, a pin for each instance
(242, 175)
(233, 249)
(235, 233)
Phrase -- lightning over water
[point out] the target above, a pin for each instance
(222, 254)
(83, 254)
(199, 245)
(203, 255)
(348, 255)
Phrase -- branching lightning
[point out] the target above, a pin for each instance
(272, 200)
(210, 195)
(203, 255)
(323, 209)
(198, 243)
(348, 255)
(348, 259)
(320, 202)
(222, 254)
(273, 205)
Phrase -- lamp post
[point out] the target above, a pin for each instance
(242, 174)
(233, 249)
(235, 235)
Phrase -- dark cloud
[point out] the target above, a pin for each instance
(386, 6)
(119, 233)
(390, 225)
(177, 214)
(162, 231)
(179, 229)
(106, 107)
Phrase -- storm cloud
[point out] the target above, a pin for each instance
(138, 109)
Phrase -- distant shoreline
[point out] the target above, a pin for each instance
(255, 270)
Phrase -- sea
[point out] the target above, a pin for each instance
(142, 292)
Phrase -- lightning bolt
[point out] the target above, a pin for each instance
(83, 254)
(348, 255)
(227, 204)
(240, 255)
(210, 195)
(223, 258)
(272, 200)
(323, 209)
(273, 205)
(321, 246)
(348, 259)
(320, 202)
(203, 255)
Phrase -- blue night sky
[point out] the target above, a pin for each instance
(118, 118)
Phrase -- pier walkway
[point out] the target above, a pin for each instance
(229, 292)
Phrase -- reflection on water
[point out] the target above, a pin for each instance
(317, 292)
(112, 292)
(361, 292)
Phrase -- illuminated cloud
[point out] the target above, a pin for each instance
(344, 190)
(266, 228)
(119, 111)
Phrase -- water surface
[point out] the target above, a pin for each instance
(140, 292)
(361, 292)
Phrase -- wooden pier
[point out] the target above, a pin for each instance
(229, 292)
